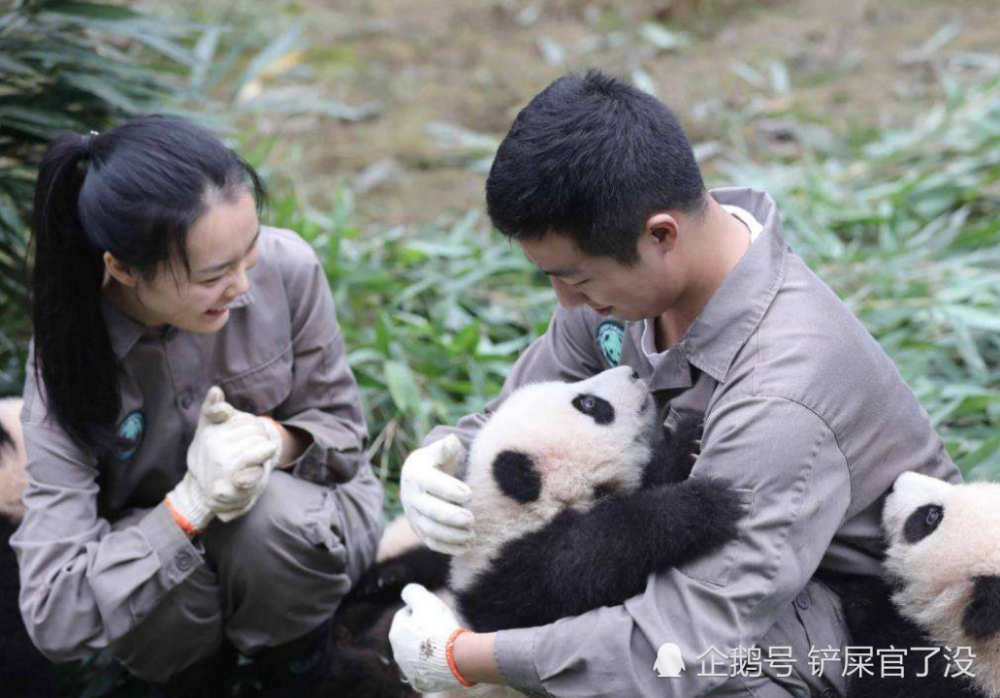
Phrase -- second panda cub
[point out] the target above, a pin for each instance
(578, 496)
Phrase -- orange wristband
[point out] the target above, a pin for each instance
(184, 524)
(449, 653)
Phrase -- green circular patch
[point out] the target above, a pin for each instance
(129, 435)
(610, 335)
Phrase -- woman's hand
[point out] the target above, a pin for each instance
(229, 461)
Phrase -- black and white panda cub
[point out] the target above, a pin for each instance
(577, 500)
(23, 669)
(942, 590)
(578, 496)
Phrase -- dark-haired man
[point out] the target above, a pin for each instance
(804, 414)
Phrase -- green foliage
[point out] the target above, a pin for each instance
(433, 319)
(904, 228)
(907, 231)
(68, 66)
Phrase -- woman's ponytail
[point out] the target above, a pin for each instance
(73, 352)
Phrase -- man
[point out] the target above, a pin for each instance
(804, 413)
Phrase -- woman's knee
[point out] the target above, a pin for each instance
(292, 534)
(184, 629)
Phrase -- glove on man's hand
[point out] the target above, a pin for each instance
(432, 499)
(419, 635)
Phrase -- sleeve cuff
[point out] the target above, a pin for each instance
(178, 555)
(514, 653)
(321, 462)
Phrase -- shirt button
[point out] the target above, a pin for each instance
(184, 561)
(803, 601)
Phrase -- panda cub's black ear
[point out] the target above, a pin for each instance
(981, 619)
(516, 475)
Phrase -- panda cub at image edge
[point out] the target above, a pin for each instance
(941, 590)
(23, 669)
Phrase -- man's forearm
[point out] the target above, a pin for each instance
(475, 660)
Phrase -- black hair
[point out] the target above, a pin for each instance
(591, 158)
(133, 191)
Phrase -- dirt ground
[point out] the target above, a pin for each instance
(755, 71)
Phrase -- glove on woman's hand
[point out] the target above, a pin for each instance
(226, 464)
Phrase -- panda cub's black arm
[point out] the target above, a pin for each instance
(600, 558)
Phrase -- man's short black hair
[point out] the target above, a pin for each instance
(592, 158)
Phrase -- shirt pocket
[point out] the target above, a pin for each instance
(715, 568)
(261, 389)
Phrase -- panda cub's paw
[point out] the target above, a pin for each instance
(686, 436)
(675, 453)
(384, 581)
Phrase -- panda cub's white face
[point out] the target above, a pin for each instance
(551, 446)
(944, 549)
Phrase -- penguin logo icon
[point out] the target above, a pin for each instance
(669, 662)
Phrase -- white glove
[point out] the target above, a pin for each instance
(251, 482)
(419, 635)
(225, 464)
(432, 499)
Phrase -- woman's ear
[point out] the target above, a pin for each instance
(119, 271)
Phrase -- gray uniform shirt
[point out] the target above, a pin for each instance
(85, 585)
(808, 419)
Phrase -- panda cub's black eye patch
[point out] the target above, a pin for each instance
(517, 477)
(596, 407)
(922, 522)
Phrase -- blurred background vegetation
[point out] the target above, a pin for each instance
(875, 126)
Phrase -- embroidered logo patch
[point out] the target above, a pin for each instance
(610, 335)
(129, 435)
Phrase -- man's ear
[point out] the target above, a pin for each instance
(981, 619)
(663, 228)
(119, 271)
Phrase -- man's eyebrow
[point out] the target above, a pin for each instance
(220, 267)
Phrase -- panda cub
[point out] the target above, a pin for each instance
(942, 590)
(23, 669)
(578, 496)
(577, 499)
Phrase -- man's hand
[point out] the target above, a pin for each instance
(419, 635)
(432, 499)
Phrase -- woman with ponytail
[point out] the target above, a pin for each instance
(197, 480)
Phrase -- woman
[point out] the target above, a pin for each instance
(155, 526)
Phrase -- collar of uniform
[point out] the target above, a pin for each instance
(125, 332)
(733, 313)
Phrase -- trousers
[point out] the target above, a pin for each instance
(266, 578)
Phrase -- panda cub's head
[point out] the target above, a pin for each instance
(556, 445)
(944, 555)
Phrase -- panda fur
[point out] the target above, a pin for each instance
(941, 589)
(579, 496)
(561, 474)
(23, 669)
